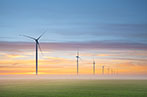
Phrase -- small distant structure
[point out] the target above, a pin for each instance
(112, 71)
(93, 66)
(77, 62)
(103, 67)
(117, 71)
(108, 69)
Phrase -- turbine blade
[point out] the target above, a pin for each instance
(28, 37)
(80, 58)
(41, 35)
(40, 48)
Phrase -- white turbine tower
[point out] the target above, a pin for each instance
(37, 45)
(77, 62)
(111, 71)
(108, 69)
(93, 66)
(103, 70)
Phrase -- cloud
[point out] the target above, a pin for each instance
(109, 53)
(133, 31)
(91, 54)
(59, 65)
(14, 56)
(91, 45)
(15, 46)
(58, 60)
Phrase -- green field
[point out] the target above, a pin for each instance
(73, 88)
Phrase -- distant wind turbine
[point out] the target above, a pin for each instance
(108, 70)
(103, 70)
(37, 45)
(111, 71)
(77, 62)
(93, 66)
(117, 71)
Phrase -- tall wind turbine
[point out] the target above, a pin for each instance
(111, 71)
(77, 62)
(103, 70)
(93, 66)
(37, 45)
(108, 70)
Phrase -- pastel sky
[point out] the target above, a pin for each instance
(114, 32)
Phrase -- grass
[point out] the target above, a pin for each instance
(73, 88)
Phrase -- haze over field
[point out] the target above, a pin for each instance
(73, 77)
(73, 88)
(114, 32)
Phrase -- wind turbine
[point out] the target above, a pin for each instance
(111, 71)
(77, 62)
(93, 66)
(108, 70)
(103, 69)
(37, 45)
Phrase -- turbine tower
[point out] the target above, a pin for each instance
(103, 70)
(108, 70)
(37, 45)
(77, 62)
(93, 66)
(111, 71)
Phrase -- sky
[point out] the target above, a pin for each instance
(113, 32)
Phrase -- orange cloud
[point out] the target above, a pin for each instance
(60, 65)
(15, 56)
(103, 55)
